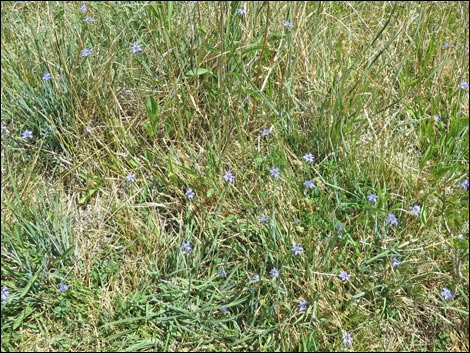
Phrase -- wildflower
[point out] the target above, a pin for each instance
(4, 128)
(463, 85)
(88, 129)
(446, 294)
(223, 274)
(89, 19)
(296, 220)
(190, 194)
(135, 48)
(255, 278)
(130, 178)
(83, 8)
(241, 11)
(27, 134)
(275, 173)
(297, 249)
(446, 45)
(186, 246)
(264, 219)
(392, 219)
(309, 158)
(224, 309)
(339, 228)
(5, 294)
(347, 339)
(63, 287)
(229, 177)
(302, 305)
(437, 118)
(86, 52)
(47, 76)
(288, 24)
(309, 184)
(415, 210)
(274, 272)
(395, 262)
(344, 276)
(464, 184)
(266, 132)
(372, 197)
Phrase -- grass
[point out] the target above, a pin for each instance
(357, 84)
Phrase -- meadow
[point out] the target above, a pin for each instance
(234, 176)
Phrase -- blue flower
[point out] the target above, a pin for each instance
(463, 85)
(264, 219)
(344, 276)
(415, 210)
(266, 132)
(309, 184)
(309, 158)
(89, 19)
(274, 272)
(255, 278)
(347, 339)
(297, 249)
(339, 228)
(275, 173)
(86, 52)
(372, 197)
(5, 294)
(223, 274)
(131, 177)
(392, 219)
(229, 177)
(302, 305)
(446, 45)
(446, 294)
(464, 184)
(437, 118)
(189, 194)
(83, 8)
(395, 262)
(27, 134)
(135, 48)
(296, 220)
(241, 12)
(63, 287)
(47, 76)
(224, 309)
(186, 246)
(288, 24)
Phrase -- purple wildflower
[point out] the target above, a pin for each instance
(446, 294)
(347, 339)
(86, 52)
(392, 219)
(309, 158)
(135, 48)
(275, 173)
(27, 134)
(190, 194)
(297, 249)
(229, 177)
(302, 305)
(63, 287)
(344, 276)
(415, 210)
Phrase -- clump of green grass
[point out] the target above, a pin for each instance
(95, 206)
